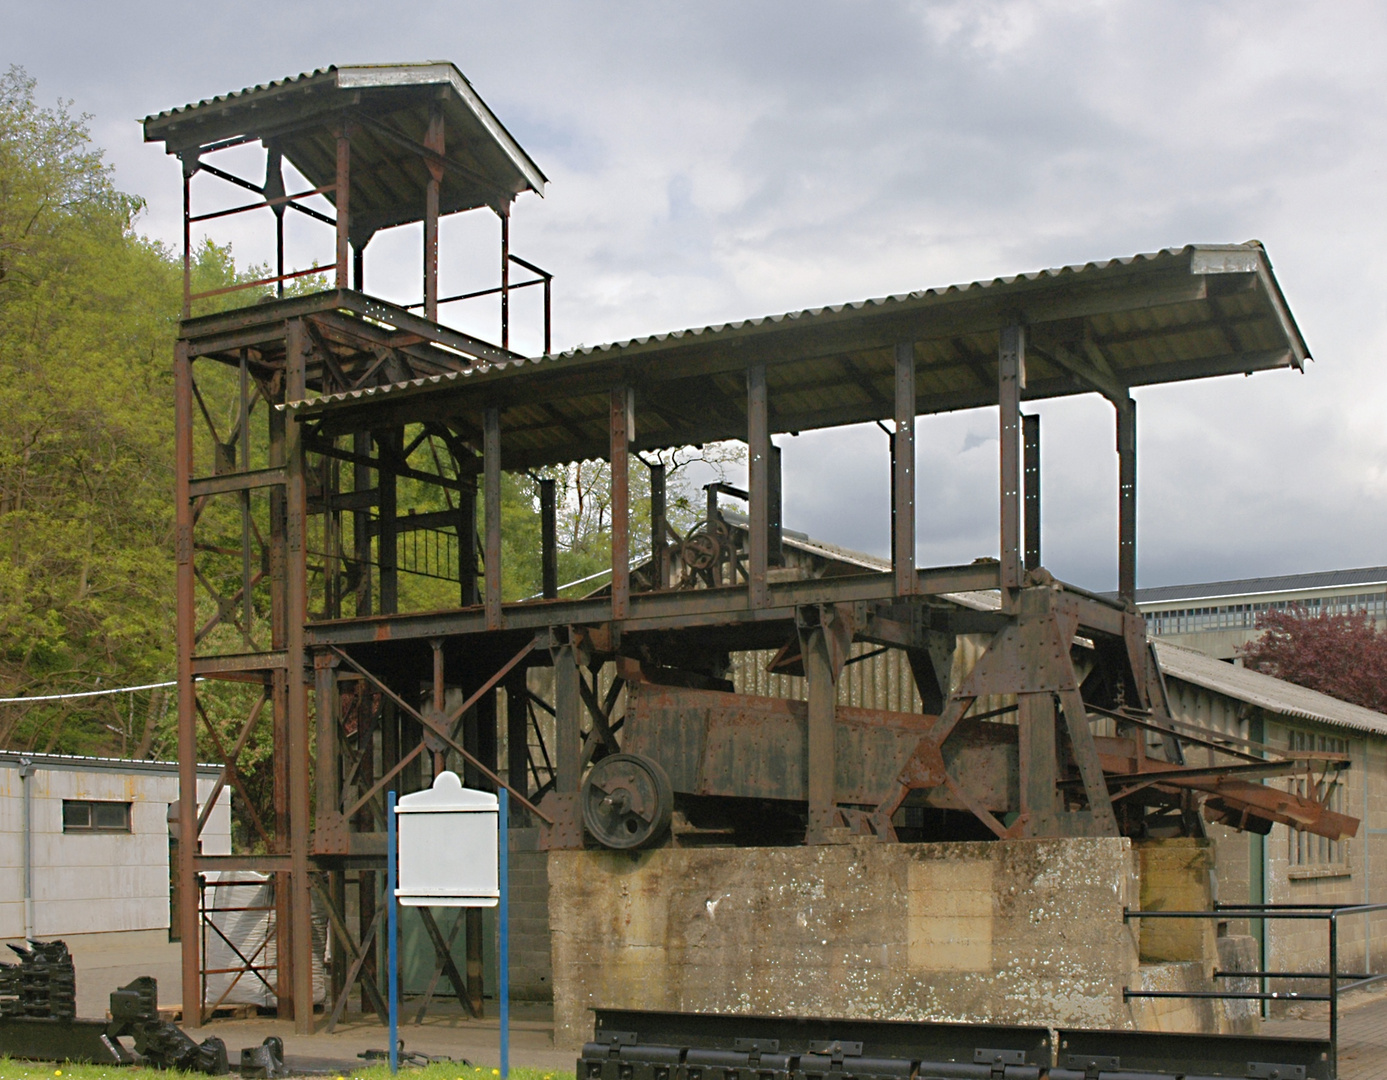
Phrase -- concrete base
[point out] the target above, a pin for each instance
(1020, 932)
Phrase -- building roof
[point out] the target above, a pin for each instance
(1181, 313)
(1218, 590)
(1265, 691)
(79, 762)
(388, 106)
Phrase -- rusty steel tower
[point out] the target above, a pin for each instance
(382, 645)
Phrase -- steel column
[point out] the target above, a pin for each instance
(1030, 484)
(903, 472)
(621, 435)
(342, 199)
(389, 447)
(758, 443)
(1126, 499)
(491, 467)
(186, 623)
(1011, 378)
(549, 538)
(659, 547)
(433, 139)
(517, 738)
(297, 347)
(568, 705)
(504, 213)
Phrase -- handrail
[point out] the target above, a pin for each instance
(1339, 982)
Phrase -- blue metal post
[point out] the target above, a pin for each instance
(503, 919)
(392, 931)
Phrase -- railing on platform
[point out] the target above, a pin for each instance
(1339, 982)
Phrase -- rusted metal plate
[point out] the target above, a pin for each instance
(716, 743)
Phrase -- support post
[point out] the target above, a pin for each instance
(517, 737)
(361, 518)
(342, 199)
(505, 278)
(549, 538)
(568, 734)
(824, 635)
(433, 139)
(659, 548)
(187, 716)
(297, 347)
(1030, 469)
(491, 465)
(775, 546)
(390, 447)
(758, 443)
(1127, 499)
(903, 472)
(467, 540)
(621, 501)
(1011, 367)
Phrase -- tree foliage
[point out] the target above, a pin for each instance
(1344, 656)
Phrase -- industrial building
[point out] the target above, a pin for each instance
(976, 853)
(1219, 617)
(90, 848)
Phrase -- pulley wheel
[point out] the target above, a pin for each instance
(627, 801)
(701, 550)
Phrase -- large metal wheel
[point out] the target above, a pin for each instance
(627, 801)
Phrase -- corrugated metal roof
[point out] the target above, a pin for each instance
(389, 106)
(1176, 314)
(1322, 579)
(1266, 692)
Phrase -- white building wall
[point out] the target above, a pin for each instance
(93, 882)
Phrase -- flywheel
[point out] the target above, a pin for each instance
(627, 801)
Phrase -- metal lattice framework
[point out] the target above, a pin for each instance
(299, 570)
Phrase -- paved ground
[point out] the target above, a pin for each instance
(444, 1032)
(1362, 1036)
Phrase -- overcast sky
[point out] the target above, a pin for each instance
(714, 161)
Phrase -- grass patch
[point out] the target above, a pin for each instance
(41, 1070)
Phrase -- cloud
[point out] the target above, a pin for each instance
(724, 160)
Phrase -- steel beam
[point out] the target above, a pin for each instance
(433, 139)
(620, 428)
(758, 443)
(1127, 499)
(549, 538)
(1011, 378)
(903, 472)
(297, 347)
(342, 201)
(186, 628)
(1030, 486)
(659, 543)
(491, 466)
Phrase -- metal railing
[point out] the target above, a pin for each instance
(1339, 981)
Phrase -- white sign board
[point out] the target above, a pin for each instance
(447, 846)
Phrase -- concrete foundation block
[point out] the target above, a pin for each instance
(1025, 931)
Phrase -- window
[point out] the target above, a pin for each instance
(94, 816)
(1306, 850)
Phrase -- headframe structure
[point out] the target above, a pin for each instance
(294, 554)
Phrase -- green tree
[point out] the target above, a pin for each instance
(87, 311)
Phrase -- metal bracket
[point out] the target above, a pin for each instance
(836, 1049)
(1264, 1070)
(615, 1040)
(998, 1059)
(1092, 1064)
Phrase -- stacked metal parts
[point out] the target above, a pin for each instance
(38, 1019)
(42, 985)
